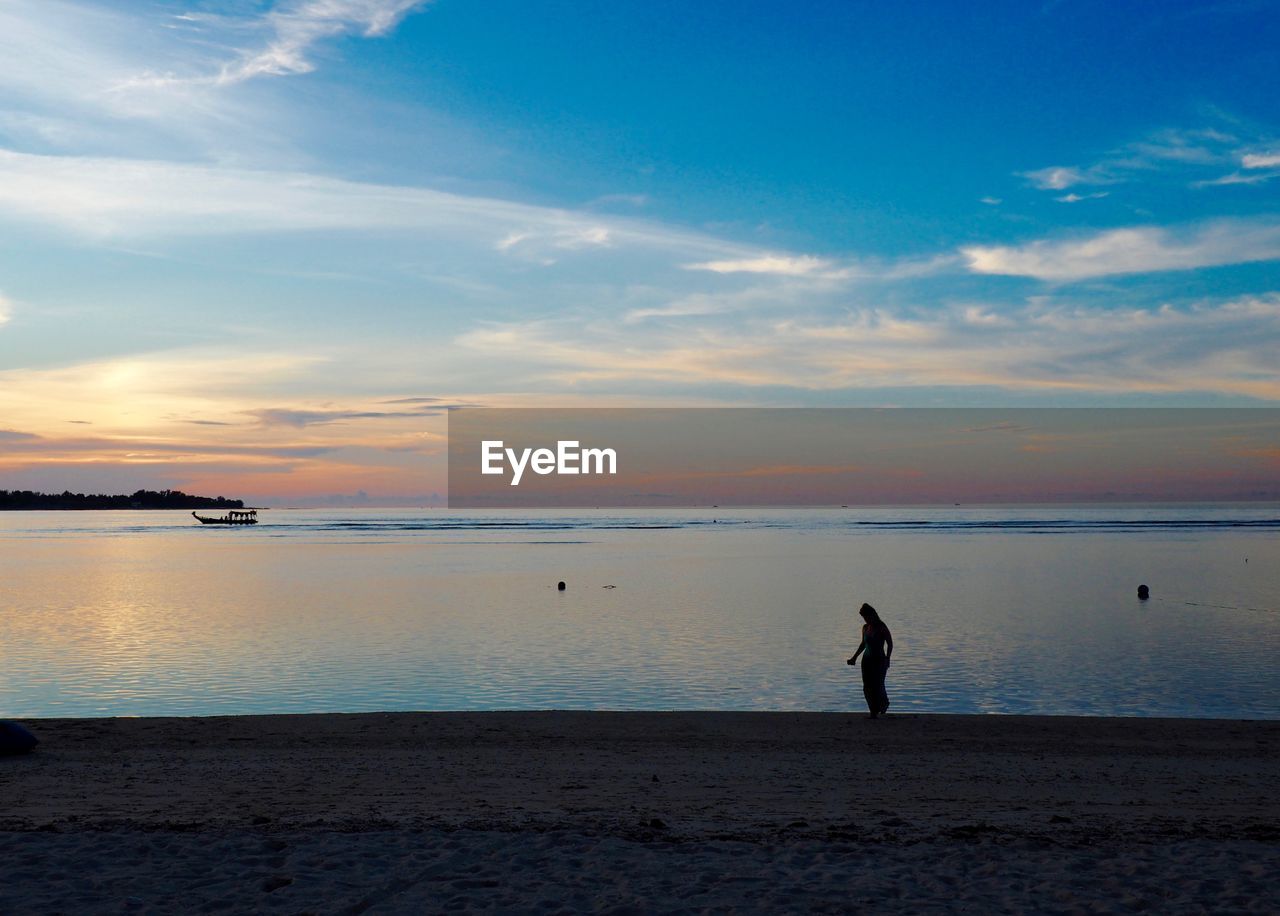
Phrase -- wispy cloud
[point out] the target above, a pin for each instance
(544, 244)
(118, 79)
(285, 37)
(57, 58)
(104, 198)
(759, 296)
(134, 78)
(1077, 198)
(6, 309)
(1201, 146)
(1224, 347)
(1141, 249)
(1255, 168)
(299, 418)
(1186, 154)
(1061, 177)
(144, 449)
(815, 268)
(776, 265)
(1237, 177)
(297, 27)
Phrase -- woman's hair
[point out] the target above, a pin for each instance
(869, 614)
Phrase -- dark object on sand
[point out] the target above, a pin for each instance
(1143, 593)
(14, 739)
(560, 586)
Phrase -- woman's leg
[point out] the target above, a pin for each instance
(882, 695)
(872, 684)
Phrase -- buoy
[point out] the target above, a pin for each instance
(560, 586)
(1143, 593)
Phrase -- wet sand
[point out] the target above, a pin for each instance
(641, 812)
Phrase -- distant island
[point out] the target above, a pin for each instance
(142, 499)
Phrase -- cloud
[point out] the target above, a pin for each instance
(188, 412)
(1253, 165)
(1225, 347)
(1237, 178)
(1134, 250)
(297, 27)
(146, 393)
(75, 75)
(1260, 160)
(1182, 153)
(687, 307)
(782, 283)
(776, 265)
(1195, 146)
(293, 29)
(6, 309)
(1056, 178)
(143, 449)
(982, 316)
(1077, 198)
(292, 417)
(774, 296)
(299, 418)
(582, 237)
(541, 245)
(133, 79)
(814, 268)
(107, 197)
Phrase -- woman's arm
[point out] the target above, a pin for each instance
(888, 646)
(854, 660)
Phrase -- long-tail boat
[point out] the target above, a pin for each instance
(233, 517)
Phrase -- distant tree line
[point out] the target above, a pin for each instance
(143, 499)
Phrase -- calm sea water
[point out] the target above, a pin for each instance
(1027, 610)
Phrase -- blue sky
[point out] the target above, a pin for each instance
(260, 246)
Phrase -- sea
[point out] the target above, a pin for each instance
(1014, 610)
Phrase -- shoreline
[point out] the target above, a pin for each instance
(648, 811)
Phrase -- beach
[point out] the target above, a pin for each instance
(641, 812)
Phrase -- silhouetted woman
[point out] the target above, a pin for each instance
(877, 646)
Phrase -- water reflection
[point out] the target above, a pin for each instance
(137, 614)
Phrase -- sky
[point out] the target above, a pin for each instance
(259, 249)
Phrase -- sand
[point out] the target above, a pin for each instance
(641, 812)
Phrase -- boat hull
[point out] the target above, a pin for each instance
(225, 520)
